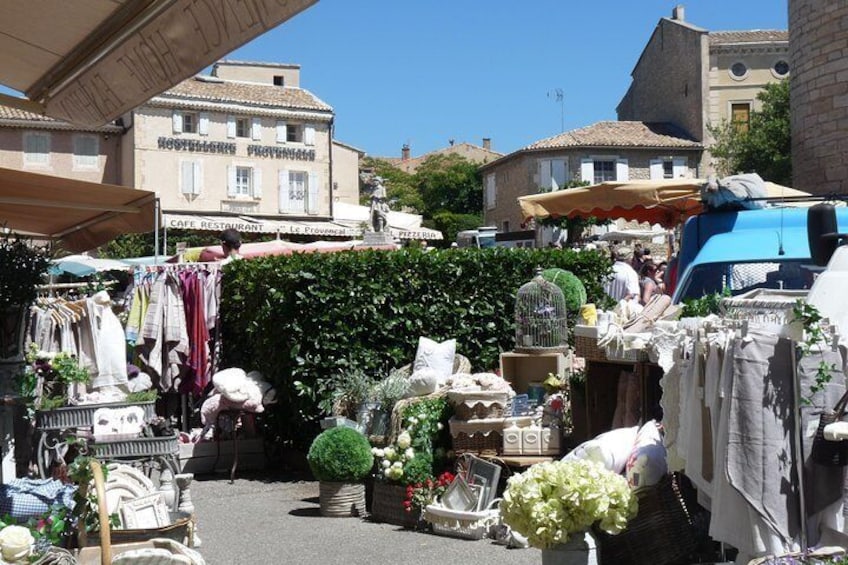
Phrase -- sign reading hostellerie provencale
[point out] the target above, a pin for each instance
(179, 39)
(197, 145)
(281, 152)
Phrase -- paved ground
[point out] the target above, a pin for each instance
(264, 519)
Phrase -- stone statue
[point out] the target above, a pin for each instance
(379, 207)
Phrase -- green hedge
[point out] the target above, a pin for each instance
(307, 318)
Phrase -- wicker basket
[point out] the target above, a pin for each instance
(67, 417)
(662, 533)
(477, 436)
(587, 348)
(457, 524)
(387, 505)
(341, 500)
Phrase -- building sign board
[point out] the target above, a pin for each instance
(297, 154)
(177, 144)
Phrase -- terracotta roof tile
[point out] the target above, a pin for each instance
(620, 134)
(12, 113)
(752, 36)
(254, 94)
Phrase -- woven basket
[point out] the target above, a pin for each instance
(341, 500)
(587, 348)
(477, 436)
(662, 533)
(387, 505)
(463, 525)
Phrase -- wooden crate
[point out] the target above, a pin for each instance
(523, 369)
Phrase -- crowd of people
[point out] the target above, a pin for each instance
(635, 275)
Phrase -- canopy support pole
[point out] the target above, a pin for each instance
(156, 213)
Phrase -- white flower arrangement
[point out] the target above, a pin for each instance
(551, 501)
(15, 543)
(392, 458)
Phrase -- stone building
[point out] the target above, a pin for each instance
(819, 94)
(695, 78)
(685, 79)
(601, 152)
(245, 147)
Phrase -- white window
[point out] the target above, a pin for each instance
(191, 177)
(668, 168)
(185, 122)
(243, 128)
(299, 192)
(244, 181)
(598, 169)
(553, 174)
(36, 148)
(491, 192)
(86, 152)
(294, 133)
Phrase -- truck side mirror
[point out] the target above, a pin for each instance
(822, 233)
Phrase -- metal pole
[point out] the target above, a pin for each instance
(158, 211)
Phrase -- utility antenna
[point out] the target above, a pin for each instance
(558, 96)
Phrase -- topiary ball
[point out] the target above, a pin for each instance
(572, 287)
(340, 455)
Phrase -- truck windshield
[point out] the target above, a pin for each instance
(486, 240)
(708, 278)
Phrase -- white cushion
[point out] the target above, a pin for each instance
(611, 449)
(647, 464)
(437, 356)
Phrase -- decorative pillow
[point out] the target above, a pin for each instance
(424, 381)
(437, 356)
(611, 449)
(647, 464)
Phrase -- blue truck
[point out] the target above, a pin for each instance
(746, 250)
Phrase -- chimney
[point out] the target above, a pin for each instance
(487, 143)
(677, 13)
(404, 152)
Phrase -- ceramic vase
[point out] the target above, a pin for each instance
(580, 549)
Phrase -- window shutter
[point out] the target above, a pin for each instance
(309, 135)
(203, 125)
(285, 203)
(622, 171)
(491, 191)
(314, 189)
(177, 122)
(198, 176)
(281, 132)
(587, 170)
(545, 174)
(257, 182)
(231, 181)
(256, 129)
(231, 126)
(186, 177)
(558, 175)
(656, 169)
(679, 167)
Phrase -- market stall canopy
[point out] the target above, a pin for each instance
(90, 62)
(664, 202)
(84, 265)
(78, 214)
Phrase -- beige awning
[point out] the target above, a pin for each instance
(90, 62)
(664, 202)
(80, 215)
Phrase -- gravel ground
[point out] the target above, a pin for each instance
(271, 519)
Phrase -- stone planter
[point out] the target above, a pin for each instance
(341, 500)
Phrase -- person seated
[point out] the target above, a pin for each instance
(647, 283)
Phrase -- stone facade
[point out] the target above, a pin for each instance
(346, 172)
(819, 94)
(474, 153)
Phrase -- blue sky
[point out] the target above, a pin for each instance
(424, 72)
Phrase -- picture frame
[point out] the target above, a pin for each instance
(459, 496)
(145, 512)
(481, 471)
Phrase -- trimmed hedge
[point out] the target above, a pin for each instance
(304, 320)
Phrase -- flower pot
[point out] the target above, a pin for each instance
(341, 500)
(388, 505)
(580, 549)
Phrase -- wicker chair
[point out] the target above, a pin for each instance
(461, 364)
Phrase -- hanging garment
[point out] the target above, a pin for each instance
(111, 346)
(164, 345)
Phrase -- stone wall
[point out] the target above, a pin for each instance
(819, 94)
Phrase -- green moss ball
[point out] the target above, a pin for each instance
(571, 286)
(340, 455)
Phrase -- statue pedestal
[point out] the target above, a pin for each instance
(377, 238)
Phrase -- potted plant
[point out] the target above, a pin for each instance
(22, 268)
(555, 504)
(47, 378)
(340, 458)
(386, 393)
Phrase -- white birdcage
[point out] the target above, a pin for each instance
(540, 320)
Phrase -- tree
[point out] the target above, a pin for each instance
(401, 191)
(764, 147)
(450, 223)
(449, 183)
